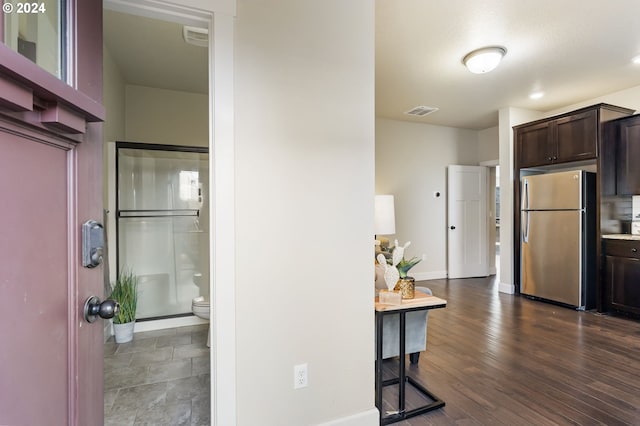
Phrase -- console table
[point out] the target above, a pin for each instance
(420, 302)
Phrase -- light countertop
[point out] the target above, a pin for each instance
(621, 237)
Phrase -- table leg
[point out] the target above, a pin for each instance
(379, 324)
(401, 366)
(402, 380)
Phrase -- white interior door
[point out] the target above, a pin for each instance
(468, 236)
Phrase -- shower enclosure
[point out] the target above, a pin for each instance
(162, 225)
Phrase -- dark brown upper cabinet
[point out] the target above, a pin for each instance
(564, 138)
(628, 156)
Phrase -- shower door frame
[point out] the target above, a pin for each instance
(148, 147)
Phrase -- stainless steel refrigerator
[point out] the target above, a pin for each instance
(558, 258)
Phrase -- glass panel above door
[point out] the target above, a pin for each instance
(36, 30)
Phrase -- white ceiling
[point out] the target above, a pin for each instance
(572, 50)
(153, 53)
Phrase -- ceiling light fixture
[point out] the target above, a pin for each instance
(536, 95)
(485, 59)
(636, 59)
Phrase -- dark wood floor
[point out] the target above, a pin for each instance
(497, 359)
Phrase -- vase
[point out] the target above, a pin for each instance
(123, 332)
(407, 287)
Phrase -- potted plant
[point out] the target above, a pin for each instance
(406, 284)
(125, 292)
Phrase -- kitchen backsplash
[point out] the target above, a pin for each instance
(635, 207)
(616, 214)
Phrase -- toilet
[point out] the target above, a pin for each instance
(200, 306)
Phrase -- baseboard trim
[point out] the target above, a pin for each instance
(434, 275)
(366, 418)
(506, 288)
(167, 323)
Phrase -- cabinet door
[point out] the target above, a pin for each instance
(576, 137)
(623, 282)
(534, 145)
(628, 179)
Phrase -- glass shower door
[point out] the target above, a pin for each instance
(163, 219)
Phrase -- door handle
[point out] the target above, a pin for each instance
(452, 227)
(525, 230)
(524, 203)
(94, 309)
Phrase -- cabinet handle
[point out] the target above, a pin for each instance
(555, 158)
(634, 250)
(549, 158)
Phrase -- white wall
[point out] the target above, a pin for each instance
(113, 129)
(304, 170)
(507, 118)
(411, 164)
(166, 116)
(488, 144)
(628, 98)
(114, 98)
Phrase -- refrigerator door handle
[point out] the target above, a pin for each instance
(525, 228)
(525, 194)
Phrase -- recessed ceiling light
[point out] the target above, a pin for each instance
(636, 60)
(485, 59)
(536, 95)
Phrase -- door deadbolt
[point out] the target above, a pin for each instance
(94, 309)
(92, 244)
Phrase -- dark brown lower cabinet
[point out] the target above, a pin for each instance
(622, 276)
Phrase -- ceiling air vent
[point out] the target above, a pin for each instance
(196, 36)
(421, 111)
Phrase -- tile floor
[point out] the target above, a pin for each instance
(160, 378)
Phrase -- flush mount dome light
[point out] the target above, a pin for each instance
(484, 60)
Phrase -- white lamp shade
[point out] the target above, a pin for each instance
(385, 216)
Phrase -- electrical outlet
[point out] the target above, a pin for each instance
(300, 378)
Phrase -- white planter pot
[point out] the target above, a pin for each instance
(123, 332)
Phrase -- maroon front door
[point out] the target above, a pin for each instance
(50, 184)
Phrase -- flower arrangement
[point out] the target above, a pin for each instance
(395, 274)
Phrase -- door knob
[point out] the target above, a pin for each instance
(452, 227)
(94, 309)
